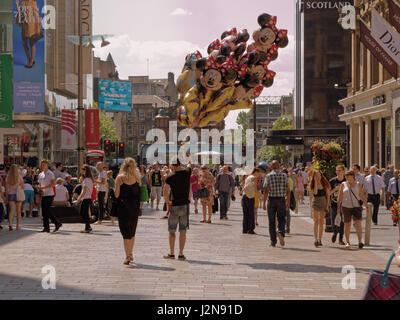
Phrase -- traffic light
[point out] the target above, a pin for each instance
(25, 147)
(107, 146)
(121, 150)
(112, 146)
(243, 151)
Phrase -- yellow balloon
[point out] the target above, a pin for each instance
(239, 105)
(214, 117)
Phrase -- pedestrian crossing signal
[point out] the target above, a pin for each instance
(121, 150)
(25, 147)
(107, 146)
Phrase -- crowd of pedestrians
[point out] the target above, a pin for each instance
(276, 190)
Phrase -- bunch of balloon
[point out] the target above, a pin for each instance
(230, 76)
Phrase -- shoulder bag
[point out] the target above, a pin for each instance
(382, 285)
(20, 194)
(360, 202)
(359, 208)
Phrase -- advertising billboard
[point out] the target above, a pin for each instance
(5, 91)
(92, 129)
(28, 49)
(114, 95)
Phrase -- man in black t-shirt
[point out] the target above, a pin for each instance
(179, 183)
(156, 185)
(335, 186)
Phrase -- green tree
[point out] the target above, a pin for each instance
(243, 122)
(270, 153)
(108, 130)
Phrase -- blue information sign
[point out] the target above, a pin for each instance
(115, 95)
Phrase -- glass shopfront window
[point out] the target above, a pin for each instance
(387, 141)
(6, 21)
(375, 142)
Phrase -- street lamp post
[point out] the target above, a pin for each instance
(83, 41)
(81, 108)
(255, 129)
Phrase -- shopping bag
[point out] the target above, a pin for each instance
(382, 285)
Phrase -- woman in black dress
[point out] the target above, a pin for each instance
(127, 191)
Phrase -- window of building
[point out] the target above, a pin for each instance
(129, 130)
(142, 115)
(374, 70)
(357, 63)
(130, 116)
(387, 141)
(142, 130)
(375, 142)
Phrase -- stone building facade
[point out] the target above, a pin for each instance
(372, 106)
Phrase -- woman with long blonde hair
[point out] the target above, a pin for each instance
(13, 181)
(127, 191)
(320, 188)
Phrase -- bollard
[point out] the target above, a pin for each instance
(368, 223)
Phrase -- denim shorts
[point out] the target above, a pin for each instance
(12, 198)
(178, 215)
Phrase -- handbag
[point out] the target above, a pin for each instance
(20, 194)
(292, 201)
(203, 193)
(382, 285)
(215, 205)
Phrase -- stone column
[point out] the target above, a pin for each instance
(361, 143)
(354, 144)
(368, 142)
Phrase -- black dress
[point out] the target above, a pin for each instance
(128, 210)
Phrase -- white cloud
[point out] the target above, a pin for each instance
(131, 56)
(180, 12)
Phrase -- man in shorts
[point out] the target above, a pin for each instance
(156, 185)
(179, 183)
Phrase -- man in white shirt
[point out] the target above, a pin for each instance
(46, 186)
(374, 185)
(101, 190)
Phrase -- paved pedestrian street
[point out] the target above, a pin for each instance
(222, 262)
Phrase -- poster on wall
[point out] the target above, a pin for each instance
(68, 129)
(92, 129)
(6, 91)
(29, 51)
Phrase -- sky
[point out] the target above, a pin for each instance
(163, 32)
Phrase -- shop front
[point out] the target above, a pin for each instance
(373, 118)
